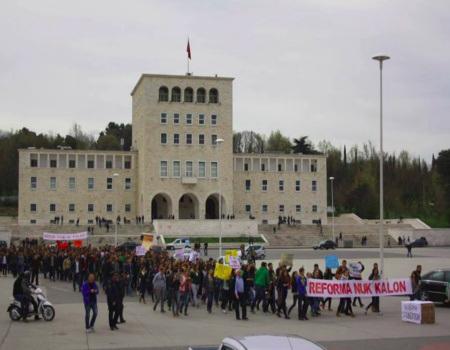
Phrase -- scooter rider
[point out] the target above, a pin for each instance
(22, 293)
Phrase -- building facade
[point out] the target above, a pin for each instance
(181, 166)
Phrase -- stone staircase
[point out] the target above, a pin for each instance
(300, 235)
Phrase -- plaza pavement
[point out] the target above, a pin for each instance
(146, 329)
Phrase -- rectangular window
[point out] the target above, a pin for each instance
(214, 119)
(214, 139)
(33, 163)
(296, 168)
(297, 185)
(90, 164)
(53, 163)
(127, 208)
(90, 208)
(176, 168)
(264, 208)
(109, 183)
(280, 167)
(109, 208)
(188, 169)
(248, 185)
(281, 208)
(53, 183)
(176, 118)
(176, 139)
(314, 208)
(201, 139)
(246, 167)
(52, 207)
(248, 208)
(128, 183)
(71, 207)
(127, 164)
(263, 167)
(201, 169)
(33, 207)
(264, 185)
(71, 183)
(189, 119)
(214, 169)
(188, 139)
(298, 208)
(90, 183)
(72, 163)
(314, 185)
(281, 185)
(163, 138)
(163, 168)
(201, 119)
(163, 118)
(33, 182)
(313, 165)
(108, 164)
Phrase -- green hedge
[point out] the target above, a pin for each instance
(238, 239)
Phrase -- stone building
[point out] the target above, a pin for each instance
(181, 166)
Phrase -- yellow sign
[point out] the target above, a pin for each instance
(222, 272)
(147, 241)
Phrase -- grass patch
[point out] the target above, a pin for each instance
(237, 239)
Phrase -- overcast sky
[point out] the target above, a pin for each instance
(300, 66)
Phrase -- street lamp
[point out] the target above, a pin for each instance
(219, 142)
(332, 205)
(116, 175)
(381, 59)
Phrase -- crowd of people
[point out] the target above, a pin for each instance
(176, 285)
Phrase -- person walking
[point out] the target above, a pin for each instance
(239, 295)
(356, 270)
(282, 284)
(302, 299)
(261, 284)
(113, 300)
(209, 287)
(375, 303)
(159, 287)
(89, 291)
(294, 292)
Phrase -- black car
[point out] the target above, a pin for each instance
(128, 246)
(420, 242)
(327, 244)
(3, 244)
(434, 286)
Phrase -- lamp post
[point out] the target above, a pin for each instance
(116, 211)
(332, 205)
(219, 142)
(381, 59)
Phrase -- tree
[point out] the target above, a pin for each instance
(277, 142)
(248, 142)
(304, 146)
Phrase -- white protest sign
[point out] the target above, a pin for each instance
(140, 250)
(48, 236)
(412, 311)
(234, 262)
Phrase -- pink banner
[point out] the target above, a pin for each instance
(65, 236)
(358, 288)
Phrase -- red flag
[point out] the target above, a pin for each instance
(188, 49)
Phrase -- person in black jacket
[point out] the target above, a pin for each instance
(123, 283)
(113, 300)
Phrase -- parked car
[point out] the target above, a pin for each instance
(434, 286)
(179, 243)
(326, 244)
(259, 250)
(128, 246)
(3, 244)
(420, 242)
(268, 342)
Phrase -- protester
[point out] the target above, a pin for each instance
(239, 295)
(375, 303)
(90, 292)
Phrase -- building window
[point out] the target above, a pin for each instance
(53, 183)
(163, 118)
(90, 208)
(127, 164)
(298, 208)
(163, 138)
(246, 167)
(53, 163)
(127, 208)
(201, 119)
(128, 183)
(264, 185)
(108, 164)
(188, 95)
(163, 94)
(201, 169)
(109, 183)
(176, 139)
(314, 208)
(201, 139)
(263, 167)
(214, 119)
(214, 169)
(163, 168)
(313, 165)
(90, 164)
(176, 171)
(248, 185)
(109, 208)
(281, 208)
(176, 94)
(280, 167)
(213, 96)
(214, 139)
(176, 118)
(264, 208)
(33, 182)
(189, 119)
(281, 185)
(188, 139)
(71, 207)
(72, 163)
(33, 207)
(201, 95)
(248, 208)
(90, 183)
(189, 172)
(33, 162)
(52, 207)
(314, 185)
(296, 168)
(71, 183)
(297, 185)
